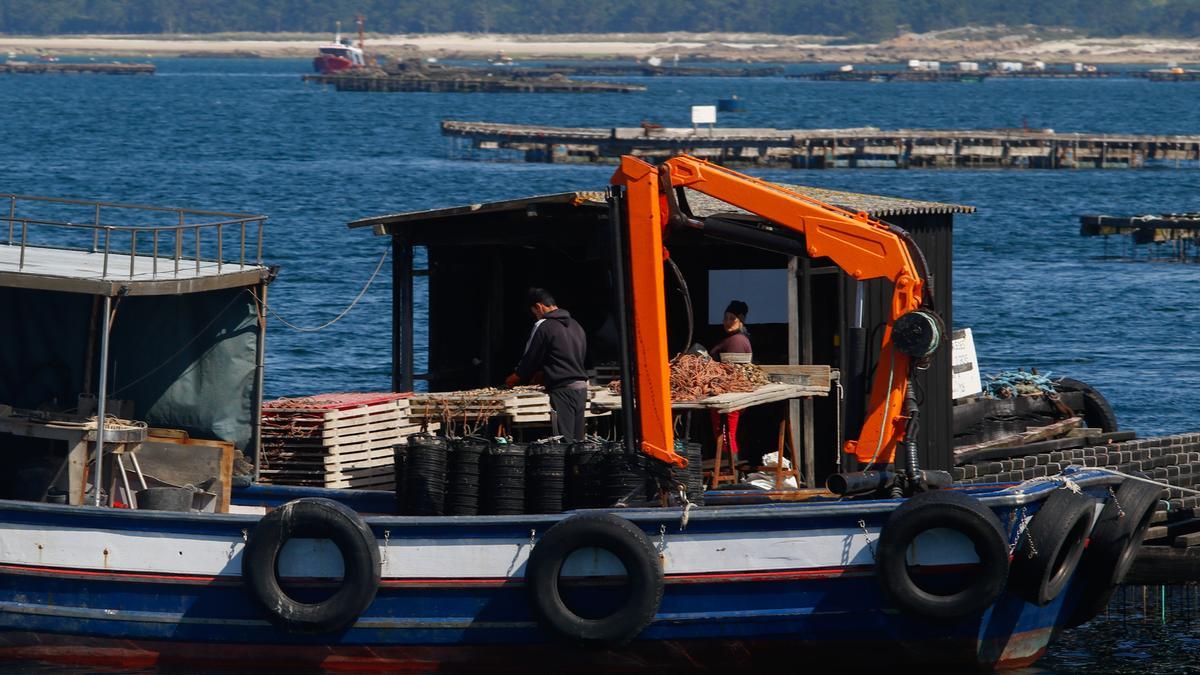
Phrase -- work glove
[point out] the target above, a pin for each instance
(512, 380)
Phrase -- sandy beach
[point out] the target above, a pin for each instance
(964, 44)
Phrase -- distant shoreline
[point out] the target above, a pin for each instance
(690, 47)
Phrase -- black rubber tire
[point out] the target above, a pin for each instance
(625, 541)
(1113, 546)
(1097, 413)
(313, 518)
(934, 510)
(1059, 532)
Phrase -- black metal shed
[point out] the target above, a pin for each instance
(480, 258)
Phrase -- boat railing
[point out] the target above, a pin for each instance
(193, 237)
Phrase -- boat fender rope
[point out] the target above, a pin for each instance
(867, 535)
(1148, 480)
(687, 511)
(1021, 523)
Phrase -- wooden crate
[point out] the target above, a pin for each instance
(340, 440)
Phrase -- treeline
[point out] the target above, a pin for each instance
(863, 19)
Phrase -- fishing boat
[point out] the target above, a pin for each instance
(895, 563)
(738, 585)
(340, 55)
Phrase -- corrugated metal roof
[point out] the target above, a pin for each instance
(702, 206)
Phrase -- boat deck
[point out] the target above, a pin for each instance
(109, 249)
(71, 270)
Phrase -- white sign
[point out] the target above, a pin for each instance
(765, 291)
(964, 367)
(704, 114)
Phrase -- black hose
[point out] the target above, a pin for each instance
(616, 219)
(682, 286)
(919, 255)
(912, 468)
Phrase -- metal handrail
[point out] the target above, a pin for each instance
(213, 230)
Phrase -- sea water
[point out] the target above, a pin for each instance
(249, 135)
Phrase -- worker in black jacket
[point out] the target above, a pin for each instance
(556, 347)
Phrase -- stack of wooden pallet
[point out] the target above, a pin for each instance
(470, 408)
(340, 440)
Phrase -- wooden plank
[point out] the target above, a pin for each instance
(1187, 540)
(185, 461)
(1037, 434)
(818, 376)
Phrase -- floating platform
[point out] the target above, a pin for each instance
(51, 68)
(1172, 551)
(865, 147)
(950, 75)
(1168, 76)
(470, 84)
(1180, 231)
(646, 70)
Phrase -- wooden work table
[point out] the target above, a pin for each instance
(788, 382)
(78, 433)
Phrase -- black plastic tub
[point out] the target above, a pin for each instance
(545, 477)
(504, 479)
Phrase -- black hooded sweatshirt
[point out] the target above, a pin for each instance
(556, 347)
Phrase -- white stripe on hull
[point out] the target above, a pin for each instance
(683, 553)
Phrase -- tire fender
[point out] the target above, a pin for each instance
(625, 541)
(315, 518)
(942, 509)
(1114, 544)
(1050, 548)
(1097, 412)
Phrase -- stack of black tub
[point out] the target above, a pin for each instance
(464, 480)
(625, 476)
(545, 474)
(504, 479)
(692, 478)
(424, 469)
(585, 467)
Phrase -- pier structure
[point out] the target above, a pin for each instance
(864, 147)
(54, 68)
(1179, 233)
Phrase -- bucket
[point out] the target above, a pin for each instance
(165, 499)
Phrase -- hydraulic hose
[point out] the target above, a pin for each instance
(681, 285)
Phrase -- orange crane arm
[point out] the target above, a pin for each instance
(863, 247)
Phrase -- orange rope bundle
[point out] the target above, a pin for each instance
(695, 377)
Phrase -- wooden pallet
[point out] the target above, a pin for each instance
(335, 440)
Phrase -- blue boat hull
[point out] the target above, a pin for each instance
(167, 589)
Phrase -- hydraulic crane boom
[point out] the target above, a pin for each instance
(861, 246)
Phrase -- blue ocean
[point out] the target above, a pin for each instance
(250, 136)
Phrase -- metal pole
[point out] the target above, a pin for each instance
(102, 397)
(402, 315)
(260, 346)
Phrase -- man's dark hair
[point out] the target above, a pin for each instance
(541, 295)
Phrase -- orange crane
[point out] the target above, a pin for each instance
(863, 247)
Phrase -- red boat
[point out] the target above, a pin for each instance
(340, 55)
